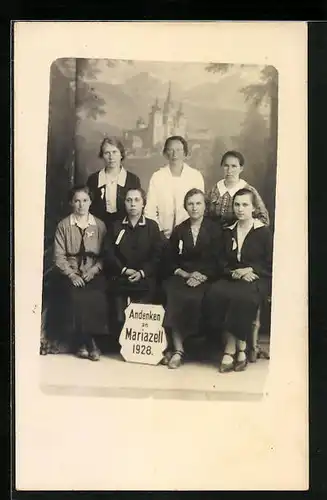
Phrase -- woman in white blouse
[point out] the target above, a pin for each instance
(169, 184)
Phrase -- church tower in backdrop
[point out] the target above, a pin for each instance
(163, 122)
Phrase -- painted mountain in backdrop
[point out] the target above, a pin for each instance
(219, 106)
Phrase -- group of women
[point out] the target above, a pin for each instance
(206, 257)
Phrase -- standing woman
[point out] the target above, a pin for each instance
(169, 184)
(81, 305)
(219, 198)
(110, 185)
(231, 303)
(194, 251)
(132, 255)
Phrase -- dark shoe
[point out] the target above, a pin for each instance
(82, 352)
(227, 367)
(94, 355)
(176, 360)
(167, 357)
(240, 366)
(263, 354)
(44, 347)
(94, 352)
(53, 348)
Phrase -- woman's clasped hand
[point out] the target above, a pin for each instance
(245, 273)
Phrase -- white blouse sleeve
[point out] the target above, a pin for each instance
(200, 181)
(151, 208)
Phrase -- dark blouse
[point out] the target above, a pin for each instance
(256, 251)
(204, 256)
(137, 247)
(98, 207)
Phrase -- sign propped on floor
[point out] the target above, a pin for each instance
(143, 338)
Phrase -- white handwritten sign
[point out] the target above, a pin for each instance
(143, 338)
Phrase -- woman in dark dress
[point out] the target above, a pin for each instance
(231, 304)
(80, 301)
(132, 254)
(110, 185)
(194, 261)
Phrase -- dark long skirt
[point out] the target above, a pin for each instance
(121, 292)
(78, 312)
(232, 306)
(183, 306)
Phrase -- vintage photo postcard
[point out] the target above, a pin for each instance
(160, 242)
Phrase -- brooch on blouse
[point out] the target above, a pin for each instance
(88, 234)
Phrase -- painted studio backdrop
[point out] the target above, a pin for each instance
(215, 106)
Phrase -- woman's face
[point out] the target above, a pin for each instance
(134, 203)
(243, 207)
(111, 156)
(175, 152)
(232, 169)
(195, 206)
(81, 203)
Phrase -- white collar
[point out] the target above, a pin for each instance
(74, 222)
(141, 221)
(223, 189)
(121, 179)
(256, 224)
(185, 169)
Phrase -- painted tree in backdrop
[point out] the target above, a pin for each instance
(253, 141)
(82, 72)
(263, 92)
(89, 105)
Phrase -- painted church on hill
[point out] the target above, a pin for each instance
(163, 122)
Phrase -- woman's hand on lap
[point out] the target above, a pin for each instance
(238, 274)
(133, 278)
(193, 282)
(89, 275)
(183, 274)
(199, 276)
(77, 280)
(130, 272)
(250, 276)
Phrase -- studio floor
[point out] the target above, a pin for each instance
(65, 374)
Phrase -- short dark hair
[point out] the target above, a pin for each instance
(113, 141)
(236, 154)
(79, 188)
(248, 191)
(140, 190)
(176, 138)
(191, 193)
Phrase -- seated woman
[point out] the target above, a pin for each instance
(231, 304)
(80, 302)
(132, 254)
(219, 198)
(193, 259)
(110, 185)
